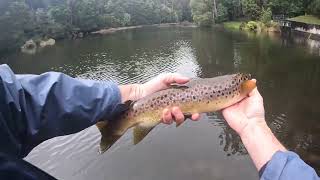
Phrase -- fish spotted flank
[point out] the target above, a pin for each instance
(197, 96)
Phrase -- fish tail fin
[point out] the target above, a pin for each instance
(108, 137)
(139, 133)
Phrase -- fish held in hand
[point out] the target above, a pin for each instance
(196, 96)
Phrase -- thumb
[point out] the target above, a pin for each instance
(175, 78)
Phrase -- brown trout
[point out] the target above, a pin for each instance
(196, 96)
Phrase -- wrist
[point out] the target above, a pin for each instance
(131, 92)
(254, 126)
(260, 142)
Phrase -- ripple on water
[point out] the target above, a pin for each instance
(103, 66)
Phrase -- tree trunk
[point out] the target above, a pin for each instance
(214, 11)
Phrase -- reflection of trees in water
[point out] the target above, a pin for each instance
(312, 46)
(289, 80)
(292, 100)
(231, 142)
(229, 139)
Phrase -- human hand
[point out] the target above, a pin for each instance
(247, 118)
(250, 111)
(161, 82)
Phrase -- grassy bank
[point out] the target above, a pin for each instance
(308, 19)
(232, 25)
(252, 26)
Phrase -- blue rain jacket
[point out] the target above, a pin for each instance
(34, 108)
(287, 166)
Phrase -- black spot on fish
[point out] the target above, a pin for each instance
(208, 102)
(165, 95)
(219, 91)
(209, 88)
(222, 94)
(211, 95)
(205, 88)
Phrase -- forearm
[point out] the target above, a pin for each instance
(260, 142)
(35, 108)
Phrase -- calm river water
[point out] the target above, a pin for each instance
(288, 74)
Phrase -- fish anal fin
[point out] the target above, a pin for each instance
(139, 132)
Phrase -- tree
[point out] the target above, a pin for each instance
(234, 8)
(287, 7)
(202, 12)
(266, 15)
(251, 9)
(315, 7)
(15, 25)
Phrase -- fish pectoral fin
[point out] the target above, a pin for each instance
(106, 142)
(107, 137)
(139, 133)
(186, 116)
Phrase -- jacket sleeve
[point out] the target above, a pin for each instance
(34, 108)
(288, 166)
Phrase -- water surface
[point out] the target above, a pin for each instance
(288, 74)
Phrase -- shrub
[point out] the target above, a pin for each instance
(252, 26)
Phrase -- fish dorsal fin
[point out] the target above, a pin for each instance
(139, 133)
(179, 86)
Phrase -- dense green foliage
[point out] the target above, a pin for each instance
(21, 20)
(251, 9)
(315, 8)
(208, 10)
(266, 15)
